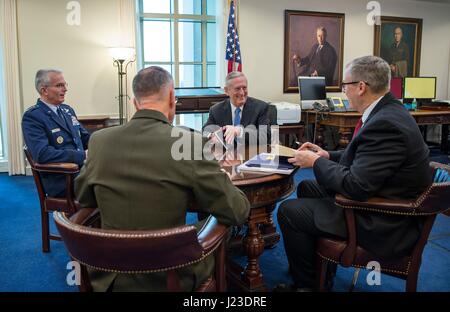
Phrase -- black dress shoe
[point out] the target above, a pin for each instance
(291, 288)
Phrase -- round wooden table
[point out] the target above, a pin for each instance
(263, 191)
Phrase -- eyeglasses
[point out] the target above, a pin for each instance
(344, 84)
(61, 85)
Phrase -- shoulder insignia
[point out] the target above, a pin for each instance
(32, 108)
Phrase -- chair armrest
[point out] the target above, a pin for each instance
(212, 234)
(436, 165)
(85, 216)
(392, 206)
(69, 168)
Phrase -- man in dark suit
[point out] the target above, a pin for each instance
(138, 180)
(387, 157)
(321, 60)
(51, 130)
(240, 117)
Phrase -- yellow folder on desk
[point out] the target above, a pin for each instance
(282, 150)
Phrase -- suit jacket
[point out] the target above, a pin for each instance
(387, 158)
(137, 184)
(51, 139)
(254, 113)
(324, 61)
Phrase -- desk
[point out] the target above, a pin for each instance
(263, 191)
(93, 123)
(295, 129)
(347, 121)
(197, 100)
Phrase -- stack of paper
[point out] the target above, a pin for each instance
(266, 162)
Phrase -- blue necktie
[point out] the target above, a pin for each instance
(60, 114)
(237, 117)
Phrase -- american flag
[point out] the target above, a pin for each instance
(233, 52)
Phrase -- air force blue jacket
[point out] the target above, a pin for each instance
(51, 139)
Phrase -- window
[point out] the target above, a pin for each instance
(180, 36)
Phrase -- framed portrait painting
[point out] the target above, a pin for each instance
(313, 46)
(398, 40)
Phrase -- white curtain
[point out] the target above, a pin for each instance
(11, 74)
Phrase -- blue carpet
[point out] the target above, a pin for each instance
(25, 268)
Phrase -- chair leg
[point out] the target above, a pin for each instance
(411, 280)
(45, 231)
(322, 266)
(354, 279)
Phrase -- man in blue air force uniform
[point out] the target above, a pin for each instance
(51, 129)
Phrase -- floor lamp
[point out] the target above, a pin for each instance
(122, 58)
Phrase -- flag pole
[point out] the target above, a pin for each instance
(234, 39)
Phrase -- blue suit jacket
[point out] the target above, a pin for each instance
(51, 139)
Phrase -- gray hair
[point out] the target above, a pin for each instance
(150, 81)
(233, 75)
(42, 78)
(373, 70)
(322, 29)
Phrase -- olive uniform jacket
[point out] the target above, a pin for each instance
(135, 176)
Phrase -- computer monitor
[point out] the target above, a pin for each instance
(423, 89)
(311, 89)
(397, 87)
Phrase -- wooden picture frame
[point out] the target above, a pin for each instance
(398, 41)
(307, 55)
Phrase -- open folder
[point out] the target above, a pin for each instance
(268, 162)
(282, 150)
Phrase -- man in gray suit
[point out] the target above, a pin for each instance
(240, 117)
(137, 183)
(386, 158)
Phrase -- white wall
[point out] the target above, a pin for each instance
(262, 39)
(47, 41)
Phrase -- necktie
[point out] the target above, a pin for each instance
(357, 127)
(318, 49)
(237, 117)
(60, 114)
(58, 110)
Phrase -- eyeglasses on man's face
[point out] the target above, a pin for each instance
(345, 84)
(61, 85)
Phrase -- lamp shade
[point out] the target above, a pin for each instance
(121, 53)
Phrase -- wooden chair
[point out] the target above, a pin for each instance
(163, 250)
(48, 203)
(434, 200)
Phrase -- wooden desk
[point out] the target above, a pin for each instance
(296, 129)
(197, 100)
(263, 191)
(347, 121)
(93, 123)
